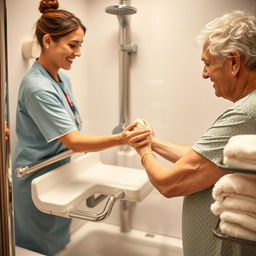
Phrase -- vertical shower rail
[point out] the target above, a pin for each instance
(7, 244)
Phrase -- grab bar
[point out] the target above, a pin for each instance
(25, 170)
(94, 200)
(80, 214)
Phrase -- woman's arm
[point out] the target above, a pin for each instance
(78, 142)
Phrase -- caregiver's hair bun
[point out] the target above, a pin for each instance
(46, 5)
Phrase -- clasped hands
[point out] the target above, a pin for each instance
(138, 135)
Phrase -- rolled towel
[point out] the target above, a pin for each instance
(241, 147)
(235, 230)
(235, 183)
(241, 219)
(237, 203)
(231, 162)
(240, 152)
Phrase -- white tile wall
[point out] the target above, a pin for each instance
(166, 84)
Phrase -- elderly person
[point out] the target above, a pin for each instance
(229, 56)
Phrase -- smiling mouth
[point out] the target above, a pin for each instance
(70, 60)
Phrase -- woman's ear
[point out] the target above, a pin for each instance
(235, 62)
(46, 40)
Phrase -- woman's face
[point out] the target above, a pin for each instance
(220, 74)
(63, 52)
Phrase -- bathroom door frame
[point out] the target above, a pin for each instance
(7, 240)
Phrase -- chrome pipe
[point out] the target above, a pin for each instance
(124, 67)
(126, 208)
(7, 237)
(125, 51)
(25, 170)
(123, 11)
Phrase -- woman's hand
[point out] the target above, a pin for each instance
(135, 135)
(141, 144)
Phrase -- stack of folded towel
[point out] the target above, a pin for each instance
(240, 152)
(235, 194)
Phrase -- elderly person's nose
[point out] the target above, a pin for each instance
(205, 74)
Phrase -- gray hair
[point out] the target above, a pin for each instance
(232, 32)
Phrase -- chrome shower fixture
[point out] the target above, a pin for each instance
(126, 49)
(121, 9)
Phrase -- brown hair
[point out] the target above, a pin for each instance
(55, 22)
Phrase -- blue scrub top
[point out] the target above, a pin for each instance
(43, 115)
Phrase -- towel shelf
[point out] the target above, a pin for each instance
(231, 169)
(216, 230)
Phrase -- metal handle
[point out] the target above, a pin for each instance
(94, 200)
(25, 170)
(217, 232)
(80, 214)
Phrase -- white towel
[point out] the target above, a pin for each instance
(240, 152)
(241, 146)
(232, 162)
(235, 230)
(235, 196)
(235, 183)
(238, 203)
(239, 218)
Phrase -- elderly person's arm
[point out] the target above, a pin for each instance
(169, 150)
(190, 174)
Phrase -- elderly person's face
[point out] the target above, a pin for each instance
(219, 74)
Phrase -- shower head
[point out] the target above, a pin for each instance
(121, 9)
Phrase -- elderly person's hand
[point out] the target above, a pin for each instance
(145, 143)
(135, 134)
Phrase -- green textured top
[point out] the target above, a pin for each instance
(198, 220)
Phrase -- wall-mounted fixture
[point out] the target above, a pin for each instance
(30, 49)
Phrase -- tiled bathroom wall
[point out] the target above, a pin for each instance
(166, 87)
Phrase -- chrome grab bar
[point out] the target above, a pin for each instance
(90, 216)
(25, 170)
(94, 200)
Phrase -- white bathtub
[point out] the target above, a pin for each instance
(100, 239)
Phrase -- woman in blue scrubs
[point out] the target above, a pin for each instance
(48, 123)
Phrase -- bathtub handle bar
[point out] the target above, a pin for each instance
(90, 216)
(25, 170)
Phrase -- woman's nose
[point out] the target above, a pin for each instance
(78, 52)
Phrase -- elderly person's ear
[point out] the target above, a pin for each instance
(235, 62)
